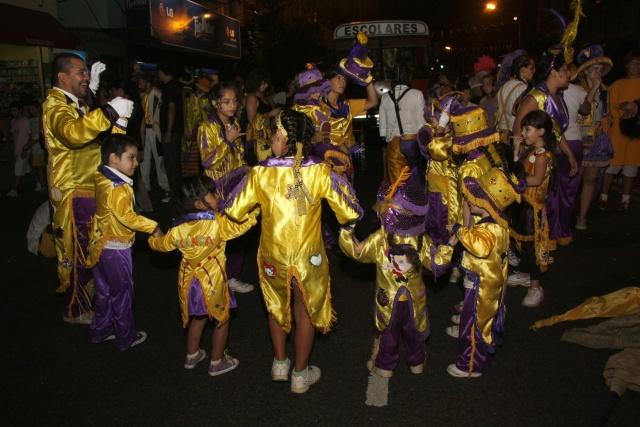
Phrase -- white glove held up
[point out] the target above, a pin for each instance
(124, 107)
(96, 69)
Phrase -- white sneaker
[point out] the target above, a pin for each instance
(514, 261)
(453, 331)
(12, 193)
(141, 336)
(192, 360)
(534, 297)
(519, 279)
(280, 370)
(301, 381)
(239, 286)
(454, 371)
(455, 319)
(166, 198)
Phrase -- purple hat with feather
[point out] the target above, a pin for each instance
(357, 65)
(310, 82)
(402, 205)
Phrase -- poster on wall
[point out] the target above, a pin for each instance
(188, 25)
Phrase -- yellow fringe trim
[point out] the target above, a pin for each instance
(486, 205)
(478, 142)
(472, 361)
(402, 178)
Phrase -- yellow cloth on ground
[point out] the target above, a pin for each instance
(622, 302)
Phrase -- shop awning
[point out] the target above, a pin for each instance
(31, 27)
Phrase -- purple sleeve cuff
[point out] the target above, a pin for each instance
(110, 113)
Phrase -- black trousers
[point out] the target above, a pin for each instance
(528, 261)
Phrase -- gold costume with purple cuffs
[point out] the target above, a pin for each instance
(374, 250)
(291, 244)
(201, 238)
(70, 131)
(223, 161)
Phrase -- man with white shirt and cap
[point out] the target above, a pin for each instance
(70, 130)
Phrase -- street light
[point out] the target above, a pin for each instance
(490, 6)
(448, 48)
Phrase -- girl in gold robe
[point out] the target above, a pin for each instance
(200, 234)
(292, 263)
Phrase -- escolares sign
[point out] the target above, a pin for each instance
(381, 29)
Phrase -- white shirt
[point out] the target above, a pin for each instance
(507, 96)
(411, 113)
(574, 97)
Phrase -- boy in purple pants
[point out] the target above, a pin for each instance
(111, 238)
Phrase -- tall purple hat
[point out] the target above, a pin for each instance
(402, 205)
(310, 82)
(469, 123)
(357, 65)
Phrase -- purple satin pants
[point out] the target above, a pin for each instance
(401, 328)
(113, 277)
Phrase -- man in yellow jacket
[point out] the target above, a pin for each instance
(70, 130)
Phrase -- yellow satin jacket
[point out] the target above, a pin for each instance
(374, 249)
(201, 239)
(73, 154)
(291, 245)
(342, 127)
(115, 221)
(442, 175)
(219, 158)
(485, 247)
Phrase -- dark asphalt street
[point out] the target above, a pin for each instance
(53, 375)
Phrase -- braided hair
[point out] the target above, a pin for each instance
(299, 128)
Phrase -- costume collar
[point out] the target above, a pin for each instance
(69, 95)
(116, 176)
(288, 161)
(342, 110)
(193, 216)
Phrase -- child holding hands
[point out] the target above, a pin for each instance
(200, 234)
(111, 238)
(480, 324)
(400, 248)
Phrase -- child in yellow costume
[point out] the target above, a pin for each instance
(200, 234)
(222, 157)
(292, 263)
(399, 249)
(111, 240)
(480, 324)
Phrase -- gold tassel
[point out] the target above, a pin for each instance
(571, 32)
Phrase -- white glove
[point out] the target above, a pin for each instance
(123, 107)
(122, 122)
(96, 69)
(444, 120)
